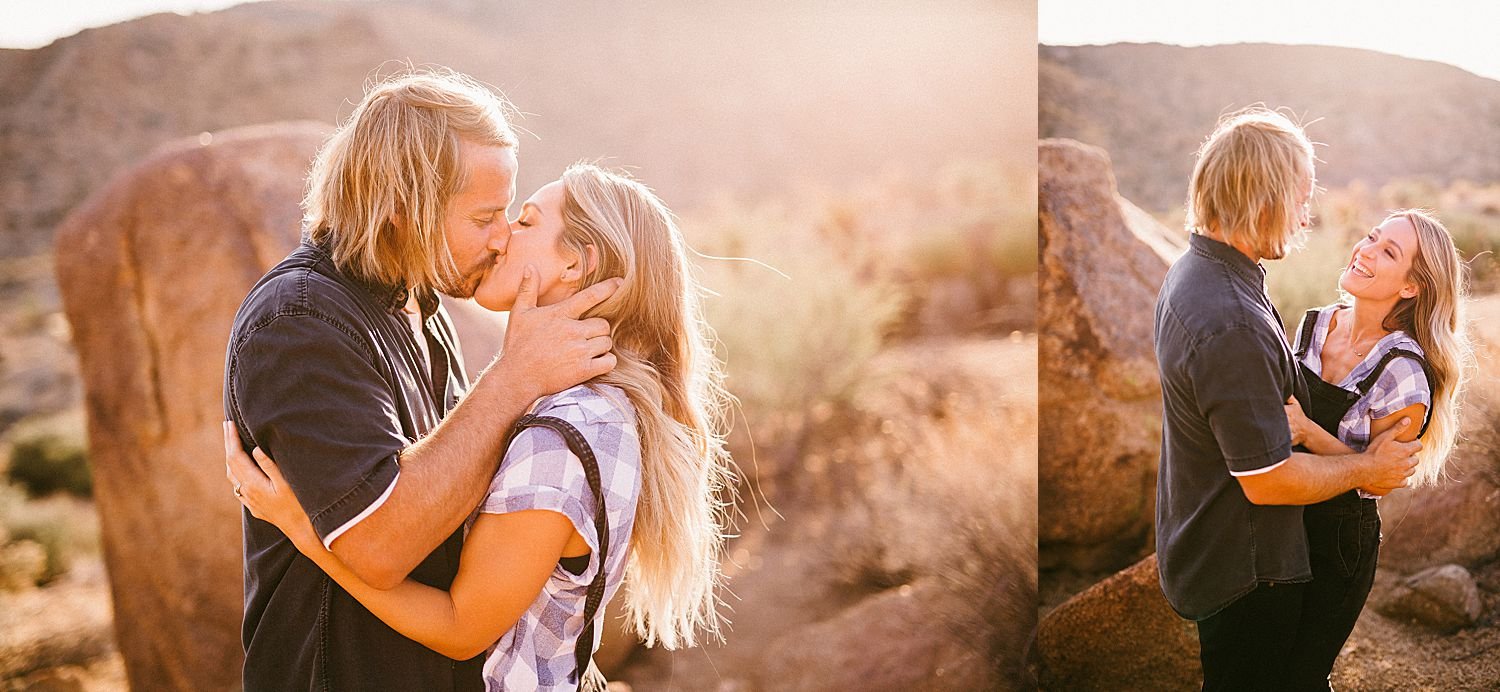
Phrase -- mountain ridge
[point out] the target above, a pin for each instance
(1381, 117)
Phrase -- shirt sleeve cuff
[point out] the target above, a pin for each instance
(328, 540)
(1257, 472)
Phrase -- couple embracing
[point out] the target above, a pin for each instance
(1275, 450)
(410, 529)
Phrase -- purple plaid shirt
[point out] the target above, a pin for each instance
(1400, 385)
(539, 472)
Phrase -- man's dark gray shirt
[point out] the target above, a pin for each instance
(1226, 372)
(325, 375)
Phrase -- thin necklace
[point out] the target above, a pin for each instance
(1349, 340)
(1367, 348)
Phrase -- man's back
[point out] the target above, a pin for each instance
(1225, 372)
(327, 377)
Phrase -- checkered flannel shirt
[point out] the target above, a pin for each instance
(1401, 384)
(539, 472)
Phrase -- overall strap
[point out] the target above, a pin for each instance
(1369, 381)
(583, 649)
(1305, 335)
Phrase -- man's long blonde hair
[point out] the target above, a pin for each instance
(1246, 182)
(397, 156)
(667, 367)
(1435, 319)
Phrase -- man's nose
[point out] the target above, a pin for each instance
(499, 238)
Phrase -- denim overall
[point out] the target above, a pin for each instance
(1343, 532)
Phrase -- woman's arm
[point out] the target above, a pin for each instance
(1416, 412)
(1311, 435)
(506, 561)
(1319, 441)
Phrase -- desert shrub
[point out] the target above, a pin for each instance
(967, 229)
(970, 227)
(65, 527)
(1417, 192)
(796, 328)
(47, 463)
(1477, 237)
(935, 482)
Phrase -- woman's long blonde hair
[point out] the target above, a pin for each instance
(398, 156)
(1434, 317)
(667, 367)
(1247, 179)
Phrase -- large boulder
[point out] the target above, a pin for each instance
(1120, 634)
(1444, 598)
(151, 270)
(1103, 261)
(895, 640)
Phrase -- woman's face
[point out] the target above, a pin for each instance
(534, 239)
(1381, 262)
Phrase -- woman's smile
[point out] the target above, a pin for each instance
(1380, 262)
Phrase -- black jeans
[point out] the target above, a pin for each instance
(1245, 646)
(1343, 540)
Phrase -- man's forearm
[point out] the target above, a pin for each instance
(443, 478)
(1304, 479)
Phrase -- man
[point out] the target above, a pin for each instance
(1231, 547)
(342, 363)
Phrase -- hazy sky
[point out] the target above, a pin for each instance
(1458, 32)
(36, 23)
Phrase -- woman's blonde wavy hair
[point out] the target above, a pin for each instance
(1434, 317)
(398, 156)
(667, 368)
(1247, 180)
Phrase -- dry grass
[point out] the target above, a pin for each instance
(884, 460)
(938, 472)
(838, 277)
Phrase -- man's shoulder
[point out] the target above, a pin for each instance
(296, 288)
(1203, 299)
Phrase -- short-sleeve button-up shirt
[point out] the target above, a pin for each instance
(1226, 372)
(324, 373)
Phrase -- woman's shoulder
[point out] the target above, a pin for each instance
(588, 404)
(1406, 342)
(1312, 327)
(539, 456)
(1324, 313)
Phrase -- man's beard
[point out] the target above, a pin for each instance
(463, 286)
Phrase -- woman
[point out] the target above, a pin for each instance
(1394, 349)
(654, 425)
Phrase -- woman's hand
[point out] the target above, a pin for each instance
(1300, 424)
(260, 486)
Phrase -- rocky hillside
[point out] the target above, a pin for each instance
(1380, 116)
(767, 102)
(722, 98)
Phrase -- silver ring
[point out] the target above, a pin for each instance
(237, 490)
